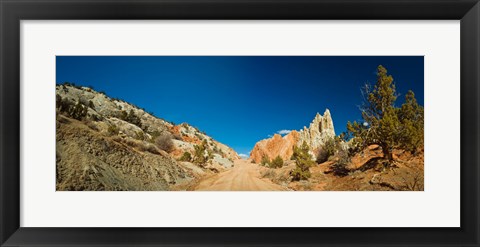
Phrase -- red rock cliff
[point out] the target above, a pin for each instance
(277, 145)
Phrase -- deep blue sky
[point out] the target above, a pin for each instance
(241, 100)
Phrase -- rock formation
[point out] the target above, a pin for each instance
(320, 130)
(277, 145)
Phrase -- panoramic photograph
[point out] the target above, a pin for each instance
(239, 123)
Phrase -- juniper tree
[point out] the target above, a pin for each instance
(383, 123)
(303, 161)
(411, 117)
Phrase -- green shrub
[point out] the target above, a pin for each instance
(78, 111)
(329, 149)
(265, 160)
(300, 174)
(153, 135)
(199, 156)
(277, 162)
(209, 154)
(131, 117)
(186, 157)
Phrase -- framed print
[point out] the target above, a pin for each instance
(239, 123)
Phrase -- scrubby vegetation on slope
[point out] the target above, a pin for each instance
(109, 144)
(384, 151)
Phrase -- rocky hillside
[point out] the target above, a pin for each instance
(109, 144)
(320, 130)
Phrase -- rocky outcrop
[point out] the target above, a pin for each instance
(190, 136)
(87, 160)
(320, 130)
(275, 146)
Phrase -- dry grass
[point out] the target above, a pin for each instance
(278, 176)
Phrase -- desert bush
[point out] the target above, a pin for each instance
(199, 136)
(91, 105)
(340, 167)
(186, 156)
(131, 117)
(164, 141)
(303, 161)
(280, 177)
(265, 160)
(277, 162)
(300, 174)
(153, 135)
(270, 174)
(77, 111)
(355, 145)
(218, 151)
(209, 154)
(199, 156)
(327, 150)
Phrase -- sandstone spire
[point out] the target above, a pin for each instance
(320, 130)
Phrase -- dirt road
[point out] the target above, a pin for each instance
(244, 176)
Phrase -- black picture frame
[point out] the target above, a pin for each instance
(13, 11)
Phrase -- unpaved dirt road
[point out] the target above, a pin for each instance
(244, 176)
